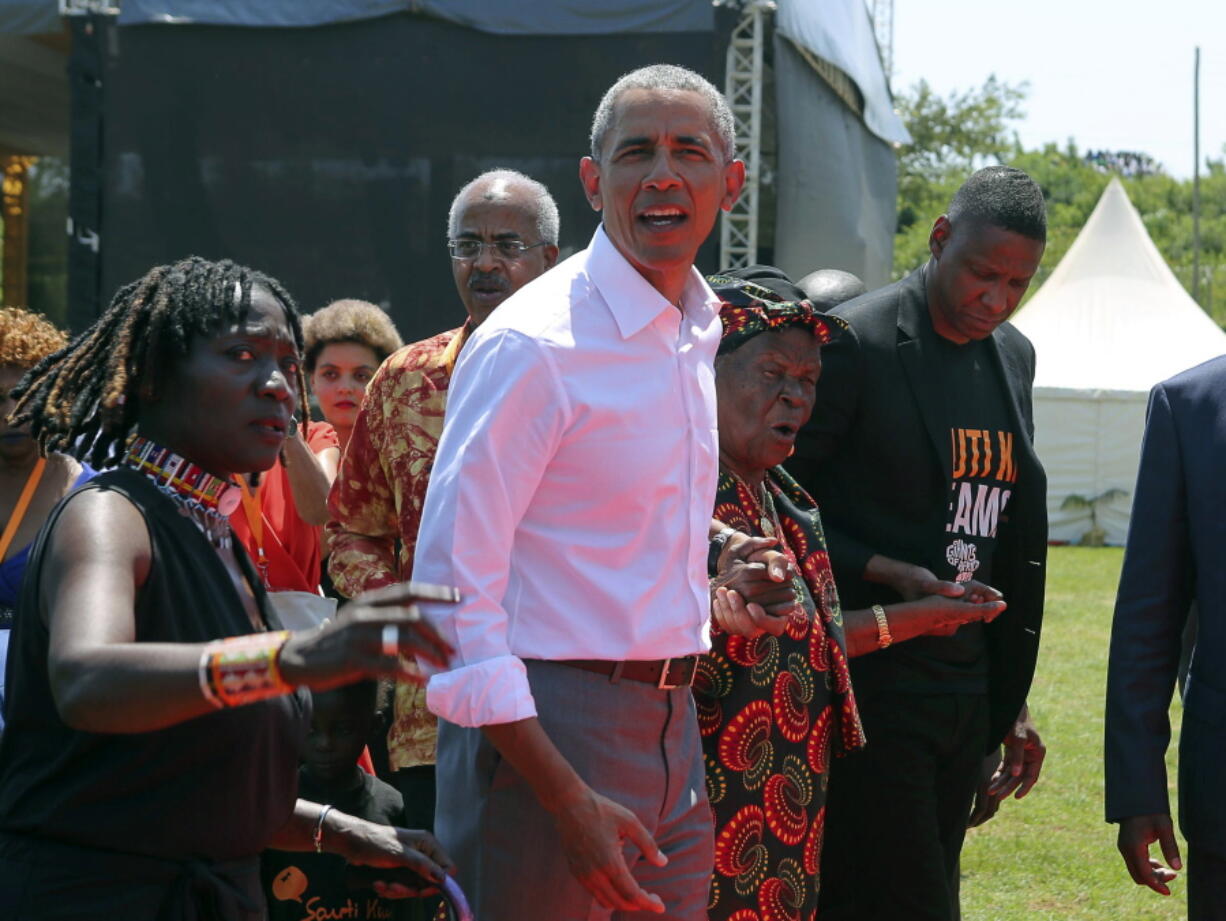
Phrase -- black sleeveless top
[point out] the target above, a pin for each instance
(213, 788)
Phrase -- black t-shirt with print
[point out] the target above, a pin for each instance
(305, 886)
(983, 476)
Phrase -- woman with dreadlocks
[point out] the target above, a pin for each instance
(155, 705)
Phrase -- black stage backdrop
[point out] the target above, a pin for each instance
(329, 156)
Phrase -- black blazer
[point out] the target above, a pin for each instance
(876, 456)
(1176, 554)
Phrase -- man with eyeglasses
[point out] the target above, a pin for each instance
(571, 501)
(502, 232)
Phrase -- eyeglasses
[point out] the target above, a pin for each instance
(506, 250)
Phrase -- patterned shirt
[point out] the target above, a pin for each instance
(378, 496)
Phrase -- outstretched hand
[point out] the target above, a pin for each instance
(913, 582)
(352, 647)
(416, 860)
(939, 615)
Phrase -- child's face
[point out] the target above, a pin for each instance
(338, 733)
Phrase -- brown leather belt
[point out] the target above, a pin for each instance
(665, 674)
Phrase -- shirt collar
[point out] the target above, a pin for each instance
(632, 300)
(452, 352)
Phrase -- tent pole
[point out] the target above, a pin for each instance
(1196, 177)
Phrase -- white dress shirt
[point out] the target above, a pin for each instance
(572, 491)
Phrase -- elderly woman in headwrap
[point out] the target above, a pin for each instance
(774, 696)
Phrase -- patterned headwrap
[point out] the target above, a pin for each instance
(750, 308)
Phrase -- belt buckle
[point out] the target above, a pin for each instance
(663, 684)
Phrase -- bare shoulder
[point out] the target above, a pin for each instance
(99, 526)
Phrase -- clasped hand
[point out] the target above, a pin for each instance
(942, 606)
(754, 591)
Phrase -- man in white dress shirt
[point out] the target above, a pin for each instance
(570, 501)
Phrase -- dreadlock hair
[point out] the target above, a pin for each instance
(84, 399)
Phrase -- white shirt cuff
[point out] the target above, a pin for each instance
(484, 693)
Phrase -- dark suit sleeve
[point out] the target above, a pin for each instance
(834, 415)
(1020, 558)
(1027, 393)
(1150, 611)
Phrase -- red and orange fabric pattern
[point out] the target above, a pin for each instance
(377, 500)
(750, 309)
(772, 710)
(291, 545)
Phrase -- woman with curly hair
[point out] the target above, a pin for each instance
(345, 344)
(282, 519)
(30, 485)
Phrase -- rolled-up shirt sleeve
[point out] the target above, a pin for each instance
(506, 413)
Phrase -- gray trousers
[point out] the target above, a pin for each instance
(635, 744)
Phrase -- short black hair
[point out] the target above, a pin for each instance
(359, 698)
(1004, 197)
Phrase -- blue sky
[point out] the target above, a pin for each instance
(1113, 74)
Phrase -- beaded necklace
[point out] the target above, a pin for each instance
(207, 500)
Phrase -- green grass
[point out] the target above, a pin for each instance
(1051, 855)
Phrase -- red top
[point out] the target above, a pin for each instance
(291, 546)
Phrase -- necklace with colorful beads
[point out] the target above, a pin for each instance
(206, 500)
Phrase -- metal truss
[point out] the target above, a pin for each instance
(882, 14)
(89, 7)
(738, 236)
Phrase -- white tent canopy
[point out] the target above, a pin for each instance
(1111, 321)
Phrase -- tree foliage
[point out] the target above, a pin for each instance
(956, 134)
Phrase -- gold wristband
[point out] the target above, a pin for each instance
(883, 627)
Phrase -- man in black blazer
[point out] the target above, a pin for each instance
(919, 453)
(1176, 556)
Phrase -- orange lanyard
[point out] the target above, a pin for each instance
(23, 503)
(255, 520)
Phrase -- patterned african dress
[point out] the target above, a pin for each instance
(772, 710)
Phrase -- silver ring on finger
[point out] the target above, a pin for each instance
(391, 640)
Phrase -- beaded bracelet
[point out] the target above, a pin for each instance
(243, 669)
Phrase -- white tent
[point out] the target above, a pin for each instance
(1111, 321)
